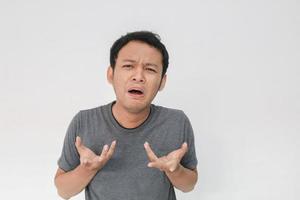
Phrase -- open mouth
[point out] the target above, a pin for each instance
(136, 92)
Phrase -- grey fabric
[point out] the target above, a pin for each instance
(126, 175)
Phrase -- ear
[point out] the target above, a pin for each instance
(110, 74)
(163, 83)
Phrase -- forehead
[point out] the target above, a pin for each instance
(138, 50)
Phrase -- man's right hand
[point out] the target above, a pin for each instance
(89, 159)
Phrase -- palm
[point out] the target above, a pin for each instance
(87, 154)
(174, 155)
(89, 159)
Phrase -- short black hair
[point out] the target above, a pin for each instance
(147, 37)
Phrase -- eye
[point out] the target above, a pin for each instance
(127, 66)
(151, 69)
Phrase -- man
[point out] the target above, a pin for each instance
(130, 149)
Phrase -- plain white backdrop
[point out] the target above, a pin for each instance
(234, 70)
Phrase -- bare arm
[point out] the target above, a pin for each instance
(183, 178)
(73, 182)
(70, 183)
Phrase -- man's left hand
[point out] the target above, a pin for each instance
(168, 163)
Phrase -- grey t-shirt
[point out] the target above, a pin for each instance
(126, 175)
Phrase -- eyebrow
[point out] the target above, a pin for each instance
(151, 64)
(146, 64)
(128, 60)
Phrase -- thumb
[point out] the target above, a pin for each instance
(78, 143)
(184, 148)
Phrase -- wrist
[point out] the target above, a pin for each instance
(87, 170)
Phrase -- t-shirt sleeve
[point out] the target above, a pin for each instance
(69, 158)
(189, 160)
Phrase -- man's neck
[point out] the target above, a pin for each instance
(129, 119)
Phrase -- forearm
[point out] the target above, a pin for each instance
(183, 179)
(71, 183)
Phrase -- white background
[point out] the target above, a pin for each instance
(234, 70)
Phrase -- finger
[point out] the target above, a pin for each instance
(151, 155)
(160, 163)
(111, 149)
(184, 146)
(183, 149)
(168, 165)
(156, 164)
(78, 143)
(172, 169)
(104, 152)
(172, 166)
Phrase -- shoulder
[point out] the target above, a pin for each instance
(92, 112)
(171, 113)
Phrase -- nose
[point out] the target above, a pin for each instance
(138, 76)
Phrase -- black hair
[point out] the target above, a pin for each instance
(147, 37)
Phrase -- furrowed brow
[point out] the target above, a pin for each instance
(151, 64)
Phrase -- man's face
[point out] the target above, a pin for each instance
(137, 76)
